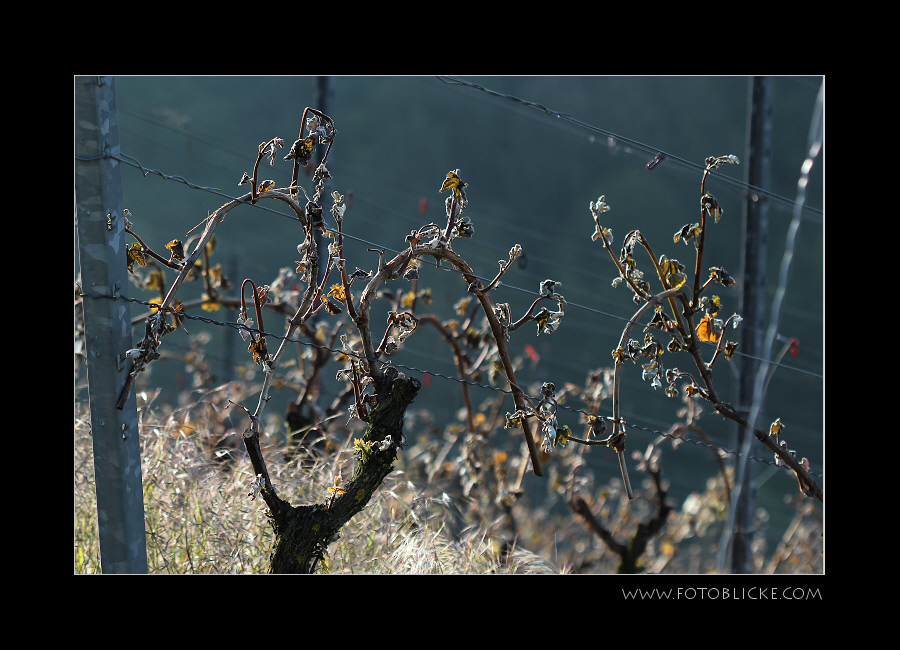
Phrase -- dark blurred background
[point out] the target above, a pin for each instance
(531, 176)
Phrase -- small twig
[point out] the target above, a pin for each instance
(662, 279)
(527, 316)
(721, 340)
(461, 364)
(256, 304)
(146, 249)
(699, 241)
(303, 148)
(619, 445)
(622, 274)
(808, 484)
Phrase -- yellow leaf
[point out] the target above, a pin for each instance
(302, 150)
(177, 249)
(330, 306)
(453, 182)
(775, 427)
(337, 292)
(258, 348)
(135, 253)
(705, 331)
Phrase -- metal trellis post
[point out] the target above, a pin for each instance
(100, 228)
(752, 296)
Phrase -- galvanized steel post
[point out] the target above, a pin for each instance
(100, 228)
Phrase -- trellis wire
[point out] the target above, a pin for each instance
(146, 171)
(212, 321)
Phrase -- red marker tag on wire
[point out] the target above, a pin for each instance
(653, 164)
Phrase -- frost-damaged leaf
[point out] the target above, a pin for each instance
(715, 161)
(720, 275)
(177, 249)
(597, 209)
(453, 182)
(672, 271)
(730, 349)
(301, 150)
(135, 253)
(688, 232)
(330, 306)
(710, 205)
(337, 292)
(707, 330)
(258, 348)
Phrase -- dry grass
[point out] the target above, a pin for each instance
(200, 519)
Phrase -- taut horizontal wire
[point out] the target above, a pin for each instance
(212, 321)
(634, 143)
(145, 171)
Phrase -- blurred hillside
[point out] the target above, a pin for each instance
(530, 179)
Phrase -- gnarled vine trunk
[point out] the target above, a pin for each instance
(302, 533)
